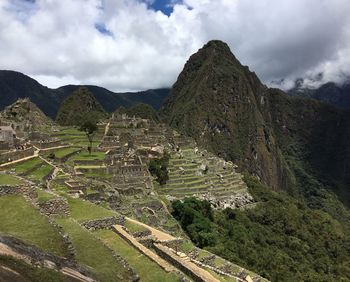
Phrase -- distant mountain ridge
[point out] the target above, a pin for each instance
(15, 85)
(330, 92)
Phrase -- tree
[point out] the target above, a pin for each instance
(89, 128)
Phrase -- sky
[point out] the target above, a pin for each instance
(127, 45)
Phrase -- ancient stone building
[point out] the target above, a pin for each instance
(7, 137)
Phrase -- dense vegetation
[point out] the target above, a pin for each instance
(159, 168)
(282, 238)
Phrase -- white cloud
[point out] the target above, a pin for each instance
(57, 41)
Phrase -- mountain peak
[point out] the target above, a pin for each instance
(217, 45)
(78, 106)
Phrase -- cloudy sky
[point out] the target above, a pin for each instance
(141, 44)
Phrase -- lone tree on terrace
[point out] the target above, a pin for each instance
(89, 128)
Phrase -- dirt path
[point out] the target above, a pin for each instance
(160, 235)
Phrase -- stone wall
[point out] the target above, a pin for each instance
(45, 145)
(16, 155)
(65, 158)
(187, 268)
(89, 162)
(105, 223)
(56, 206)
(28, 191)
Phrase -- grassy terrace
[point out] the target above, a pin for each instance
(44, 196)
(133, 227)
(91, 253)
(22, 220)
(83, 210)
(30, 272)
(185, 181)
(147, 269)
(6, 179)
(41, 172)
(26, 165)
(85, 156)
(65, 151)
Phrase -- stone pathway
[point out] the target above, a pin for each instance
(153, 256)
(199, 272)
(161, 237)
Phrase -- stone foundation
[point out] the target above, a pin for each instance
(28, 191)
(105, 223)
(56, 206)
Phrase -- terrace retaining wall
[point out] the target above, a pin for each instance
(28, 191)
(56, 206)
(16, 155)
(105, 223)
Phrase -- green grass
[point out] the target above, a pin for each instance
(86, 156)
(64, 152)
(30, 272)
(6, 179)
(44, 196)
(41, 172)
(93, 254)
(187, 247)
(133, 227)
(83, 210)
(20, 219)
(25, 166)
(148, 270)
(70, 131)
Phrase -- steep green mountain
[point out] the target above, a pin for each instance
(79, 106)
(15, 85)
(332, 93)
(217, 100)
(293, 144)
(285, 141)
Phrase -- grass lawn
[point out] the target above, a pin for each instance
(24, 166)
(41, 172)
(98, 175)
(133, 227)
(84, 143)
(86, 156)
(146, 268)
(70, 131)
(93, 254)
(44, 196)
(30, 272)
(64, 152)
(20, 219)
(6, 179)
(83, 210)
